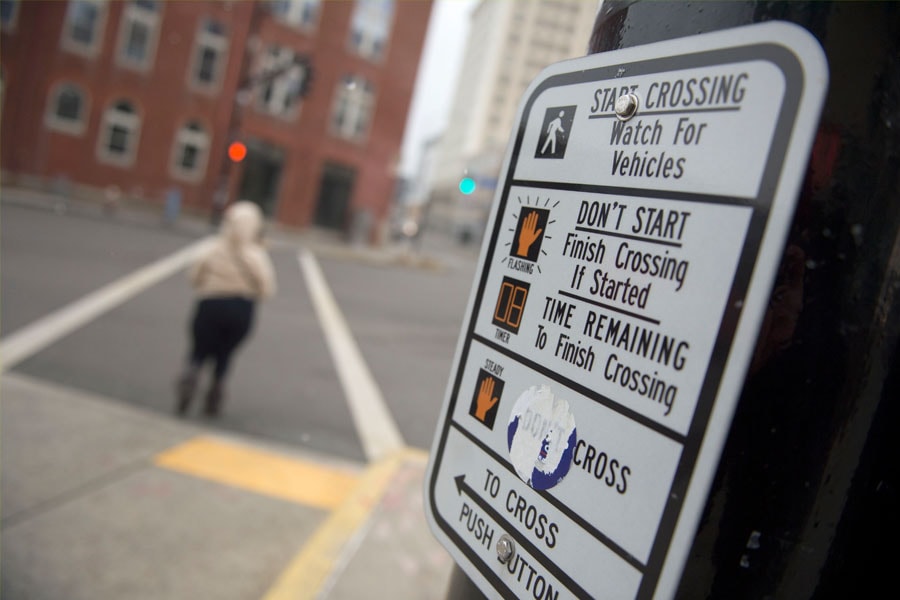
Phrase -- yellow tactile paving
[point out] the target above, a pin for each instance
(262, 472)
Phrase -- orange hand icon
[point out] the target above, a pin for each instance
(486, 399)
(528, 235)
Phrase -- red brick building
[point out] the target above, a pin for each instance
(144, 98)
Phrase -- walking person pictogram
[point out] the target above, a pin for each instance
(553, 129)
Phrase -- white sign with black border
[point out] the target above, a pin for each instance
(622, 284)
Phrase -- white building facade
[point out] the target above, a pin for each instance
(509, 43)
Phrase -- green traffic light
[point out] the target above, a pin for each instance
(466, 185)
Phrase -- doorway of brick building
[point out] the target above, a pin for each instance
(335, 192)
(262, 175)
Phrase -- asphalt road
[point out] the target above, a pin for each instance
(405, 320)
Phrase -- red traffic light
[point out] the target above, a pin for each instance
(237, 151)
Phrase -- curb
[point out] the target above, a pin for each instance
(326, 554)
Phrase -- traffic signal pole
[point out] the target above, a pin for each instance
(805, 496)
(224, 184)
(245, 90)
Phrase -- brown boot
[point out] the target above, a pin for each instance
(214, 399)
(184, 391)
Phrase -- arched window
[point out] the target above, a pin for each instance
(370, 28)
(67, 109)
(83, 27)
(9, 14)
(138, 33)
(355, 101)
(297, 13)
(190, 152)
(119, 134)
(210, 55)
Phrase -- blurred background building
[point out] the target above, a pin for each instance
(509, 43)
(140, 100)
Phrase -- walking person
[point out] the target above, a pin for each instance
(553, 129)
(228, 280)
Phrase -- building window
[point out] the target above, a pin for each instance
(67, 109)
(9, 14)
(83, 27)
(119, 134)
(281, 76)
(190, 152)
(210, 54)
(138, 33)
(370, 28)
(297, 13)
(353, 108)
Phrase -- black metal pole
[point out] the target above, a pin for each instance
(461, 587)
(805, 503)
(222, 191)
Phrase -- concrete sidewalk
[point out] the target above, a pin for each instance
(102, 500)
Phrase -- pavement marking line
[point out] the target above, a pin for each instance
(266, 473)
(337, 538)
(375, 425)
(31, 339)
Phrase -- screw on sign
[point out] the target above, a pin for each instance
(506, 548)
(626, 106)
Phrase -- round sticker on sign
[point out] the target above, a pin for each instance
(541, 437)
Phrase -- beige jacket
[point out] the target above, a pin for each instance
(236, 264)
